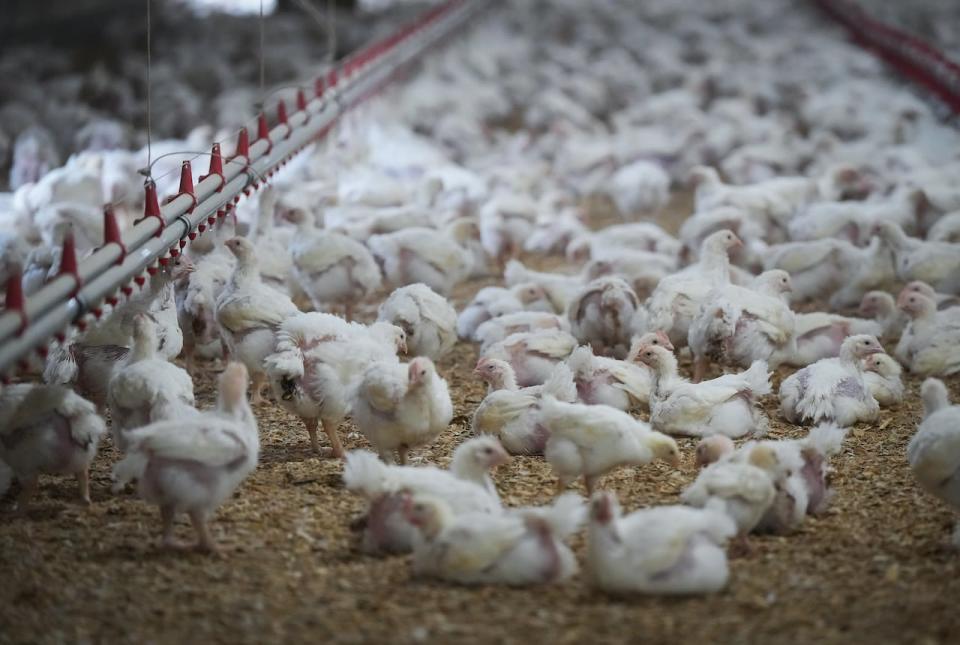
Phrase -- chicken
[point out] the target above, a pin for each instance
(488, 303)
(642, 270)
(639, 187)
(726, 405)
(943, 300)
(817, 268)
(496, 329)
(936, 263)
(194, 465)
(398, 407)
(677, 299)
(506, 221)
(662, 550)
(606, 314)
(819, 335)
(930, 344)
(832, 389)
(89, 361)
(510, 413)
(318, 362)
(146, 388)
(607, 381)
(882, 375)
(934, 451)
(591, 440)
(196, 306)
(559, 289)
(425, 255)
(466, 487)
(743, 491)
(427, 319)
(249, 313)
(533, 355)
(736, 326)
(521, 548)
(867, 269)
(47, 429)
(802, 483)
(331, 268)
(637, 236)
(882, 307)
(759, 200)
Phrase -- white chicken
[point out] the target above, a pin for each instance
(743, 491)
(496, 329)
(639, 187)
(317, 363)
(882, 375)
(662, 550)
(820, 335)
(331, 268)
(47, 429)
(832, 389)
(533, 355)
(401, 406)
(736, 326)
(677, 299)
(606, 314)
(146, 388)
(426, 255)
(510, 413)
(427, 319)
(934, 451)
(591, 440)
(930, 344)
(466, 487)
(936, 263)
(725, 405)
(882, 307)
(607, 381)
(249, 313)
(524, 547)
(194, 465)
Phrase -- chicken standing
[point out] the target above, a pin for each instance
(317, 365)
(146, 388)
(194, 465)
(401, 406)
(249, 313)
(47, 429)
(591, 440)
(934, 451)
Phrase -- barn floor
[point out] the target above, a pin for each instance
(876, 567)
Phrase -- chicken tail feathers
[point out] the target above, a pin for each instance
(560, 384)
(826, 439)
(564, 517)
(758, 379)
(364, 473)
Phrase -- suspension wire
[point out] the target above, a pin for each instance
(149, 92)
(262, 75)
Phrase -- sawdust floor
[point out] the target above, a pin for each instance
(875, 568)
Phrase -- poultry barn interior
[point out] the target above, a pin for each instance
(555, 321)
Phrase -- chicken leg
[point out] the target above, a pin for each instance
(167, 540)
(259, 380)
(205, 543)
(311, 426)
(336, 448)
(83, 483)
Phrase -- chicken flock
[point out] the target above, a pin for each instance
(822, 246)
